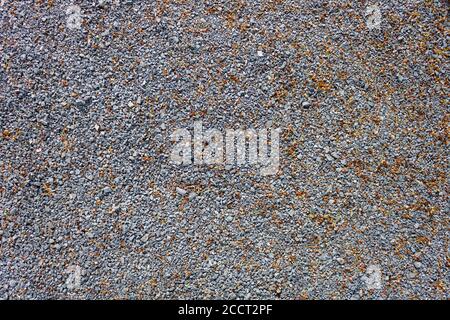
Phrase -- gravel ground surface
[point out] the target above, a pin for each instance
(91, 206)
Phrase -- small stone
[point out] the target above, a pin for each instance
(418, 265)
(260, 53)
(107, 191)
(181, 191)
(306, 105)
(192, 195)
(144, 238)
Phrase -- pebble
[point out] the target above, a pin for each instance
(306, 105)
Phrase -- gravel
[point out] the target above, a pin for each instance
(92, 208)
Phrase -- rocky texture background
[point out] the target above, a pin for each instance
(88, 193)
